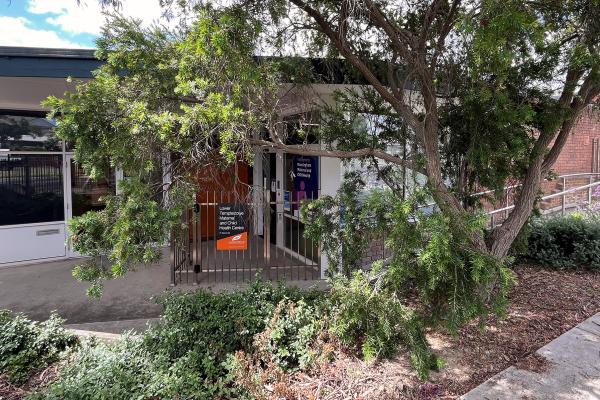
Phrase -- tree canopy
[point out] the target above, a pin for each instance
(485, 92)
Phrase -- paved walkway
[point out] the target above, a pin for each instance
(38, 289)
(573, 371)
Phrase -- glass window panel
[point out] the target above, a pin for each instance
(21, 133)
(87, 193)
(31, 189)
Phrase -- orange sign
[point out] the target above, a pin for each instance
(232, 233)
(235, 242)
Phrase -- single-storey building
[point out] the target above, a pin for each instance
(42, 188)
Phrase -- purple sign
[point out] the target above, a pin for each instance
(306, 178)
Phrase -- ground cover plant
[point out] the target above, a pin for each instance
(189, 354)
(27, 346)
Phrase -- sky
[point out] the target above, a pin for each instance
(62, 23)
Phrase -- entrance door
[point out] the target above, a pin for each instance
(31, 206)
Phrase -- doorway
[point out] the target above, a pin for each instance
(83, 193)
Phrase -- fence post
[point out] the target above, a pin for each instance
(564, 196)
(590, 193)
(267, 228)
(172, 258)
(196, 240)
(492, 222)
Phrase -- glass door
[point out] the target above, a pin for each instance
(84, 193)
(32, 202)
(301, 184)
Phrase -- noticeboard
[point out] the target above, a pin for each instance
(232, 232)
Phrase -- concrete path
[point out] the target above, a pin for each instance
(38, 289)
(572, 373)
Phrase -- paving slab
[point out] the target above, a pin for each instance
(572, 372)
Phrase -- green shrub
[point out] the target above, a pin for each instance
(372, 318)
(218, 323)
(121, 370)
(288, 339)
(186, 356)
(570, 241)
(26, 345)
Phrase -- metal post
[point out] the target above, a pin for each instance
(188, 246)
(267, 228)
(564, 196)
(173, 249)
(196, 239)
(590, 193)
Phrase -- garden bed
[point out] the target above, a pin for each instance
(544, 304)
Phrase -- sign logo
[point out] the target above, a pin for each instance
(232, 232)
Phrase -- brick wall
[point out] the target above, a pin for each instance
(578, 151)
(580, 154)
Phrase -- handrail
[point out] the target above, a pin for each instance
(547, 180)
(551, 196)
(578, 174)
(548, 197)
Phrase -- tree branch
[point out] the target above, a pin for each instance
(303, 150)
(403, 110)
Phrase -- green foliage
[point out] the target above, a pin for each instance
(187, 355)
(121, 370)
(26, 346)
(367, 314)
(128, 231)
(191, 97)
(290, 334)
(510, 51)
(344, 223)
(429, 252)
(455, 282)
(571, 241)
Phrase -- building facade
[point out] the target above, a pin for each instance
(42, 187)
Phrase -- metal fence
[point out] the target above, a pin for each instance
(562, 201)
(228, 237)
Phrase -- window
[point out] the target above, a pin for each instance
(27, 133)
(31, 188)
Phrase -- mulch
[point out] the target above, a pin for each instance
(11, 391)
(544, 304)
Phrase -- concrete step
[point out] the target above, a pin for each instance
(114, 327)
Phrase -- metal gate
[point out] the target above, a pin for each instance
(266, 240)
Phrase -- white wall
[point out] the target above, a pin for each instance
(30, 242)
(331, 178)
